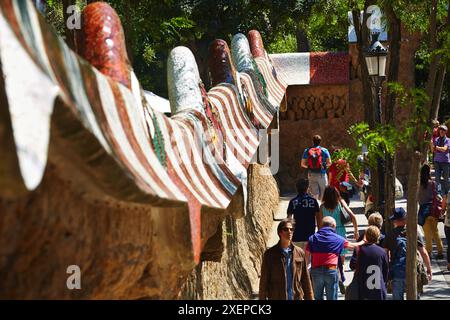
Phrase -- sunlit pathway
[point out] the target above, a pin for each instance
(439, 288)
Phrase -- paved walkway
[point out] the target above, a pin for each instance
(438, 289)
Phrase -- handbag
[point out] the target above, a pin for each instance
(352, 290)
(422, 277)
(436, 210)
(389, 286)
(345, 216)
(424, 212)
(348, 188)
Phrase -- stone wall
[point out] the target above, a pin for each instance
(128, 251)
(114, 244)
(321, 109)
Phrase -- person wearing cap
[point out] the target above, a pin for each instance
(398, 256)
(441, 149)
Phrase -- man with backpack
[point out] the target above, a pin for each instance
(397, 248)
(316, 159)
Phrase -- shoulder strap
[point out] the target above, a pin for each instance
(324, 161)
(357, 264)
(397, 245)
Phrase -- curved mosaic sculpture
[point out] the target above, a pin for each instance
(103, 42)
(256, 44)
(196, 158)
(184, 81)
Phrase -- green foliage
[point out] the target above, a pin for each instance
(176, 26)
(54, 16)
(327, 26)
(153, 28)
(353, 158)
(149, 54)
(386, 139)
(284, 44)
(415, 16)
(379, 141)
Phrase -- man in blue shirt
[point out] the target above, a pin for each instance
(305, 211)
(316, 159)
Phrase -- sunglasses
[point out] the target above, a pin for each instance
(287, 229)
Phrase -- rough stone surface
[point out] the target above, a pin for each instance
(128, 251)
(121, 249)
(296, 132)
(236, 275)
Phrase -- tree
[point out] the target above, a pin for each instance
(153, 28)
(394, 37)
(438, 34)
(424, 104)
(363, 42)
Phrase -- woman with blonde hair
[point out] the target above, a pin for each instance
(372, 267)
(375, 219)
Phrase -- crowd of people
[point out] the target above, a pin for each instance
(433, 195)
(307, 263)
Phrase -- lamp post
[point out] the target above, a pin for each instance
(376, 65)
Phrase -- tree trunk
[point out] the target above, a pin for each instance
(432, 75)
(442, 70)
(438, 90)
(390, 193)
(394, 37)
(128, 27)
(362, 43)
(69, 33)
(411, 230)
(302, 40)
(434, 85)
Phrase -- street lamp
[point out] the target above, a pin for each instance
(376, 65)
